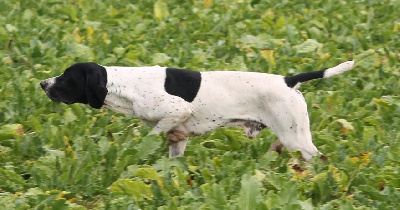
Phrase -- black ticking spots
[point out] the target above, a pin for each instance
(182, 83)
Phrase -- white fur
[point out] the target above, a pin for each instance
(223, 96)
(339, 69)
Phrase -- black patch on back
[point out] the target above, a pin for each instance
(182, 83)
(292, 81)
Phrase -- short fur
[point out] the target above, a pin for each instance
(183, 103)
(182, 83)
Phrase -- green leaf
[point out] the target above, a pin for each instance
(215, 196)
(10, 131)
(252, 41)
(148, 146)
(309, 46)
(11, 28)
(160, 58)
(147, 173)
(69, 116)
(366, 59)
(161, 10)
(288, 194)
(10, 181)
(249, 192)
(81, 51)
(136, 189)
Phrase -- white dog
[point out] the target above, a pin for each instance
(183, 103)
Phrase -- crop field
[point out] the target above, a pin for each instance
(58, 156)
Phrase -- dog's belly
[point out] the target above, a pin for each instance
(227, 99)
(197, 127)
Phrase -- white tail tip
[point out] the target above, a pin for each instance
(339, 69)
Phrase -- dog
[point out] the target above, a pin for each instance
(183, 103)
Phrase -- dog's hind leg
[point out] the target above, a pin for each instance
(292, 126)
(276, 146)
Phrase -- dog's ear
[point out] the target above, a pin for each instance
(96, 90)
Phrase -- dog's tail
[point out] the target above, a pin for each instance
(296, 80)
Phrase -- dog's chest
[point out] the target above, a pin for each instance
(118, 104)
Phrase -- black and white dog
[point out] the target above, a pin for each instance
(183, 103)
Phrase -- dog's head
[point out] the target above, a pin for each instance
(80, 83)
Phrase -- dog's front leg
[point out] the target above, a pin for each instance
(167, 124)
(177, 149)
(177, 141)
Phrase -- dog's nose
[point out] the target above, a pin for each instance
(43, 84)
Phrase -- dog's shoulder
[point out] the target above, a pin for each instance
(182, 83)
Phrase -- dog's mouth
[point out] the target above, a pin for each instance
(56, 99)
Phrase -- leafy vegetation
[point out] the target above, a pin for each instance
(55, 156)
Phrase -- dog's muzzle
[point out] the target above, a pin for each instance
(46, 85)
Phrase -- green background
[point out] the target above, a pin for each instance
(55, 156)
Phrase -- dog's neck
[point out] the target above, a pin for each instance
(116, 87)
(120, 97)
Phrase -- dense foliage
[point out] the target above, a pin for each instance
(55, 156)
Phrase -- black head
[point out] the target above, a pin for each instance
(80, 83)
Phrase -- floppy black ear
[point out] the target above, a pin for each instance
(96, 90)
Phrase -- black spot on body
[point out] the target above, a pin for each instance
(182, 83)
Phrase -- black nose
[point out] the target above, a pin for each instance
(43, 84)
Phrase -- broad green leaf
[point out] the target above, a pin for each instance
(309, 46)
(249, 192)
(288, 194)
(136, 189)
(252, 41)
(10, 201)
(9, 131)
(366, 60)
(160, 58)
(148, 146)
(147, 173)
(272, 200)
(215, 196)
(69, 116)
(10, 181)
(11, 28)
(161, 9)
(80, 51)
